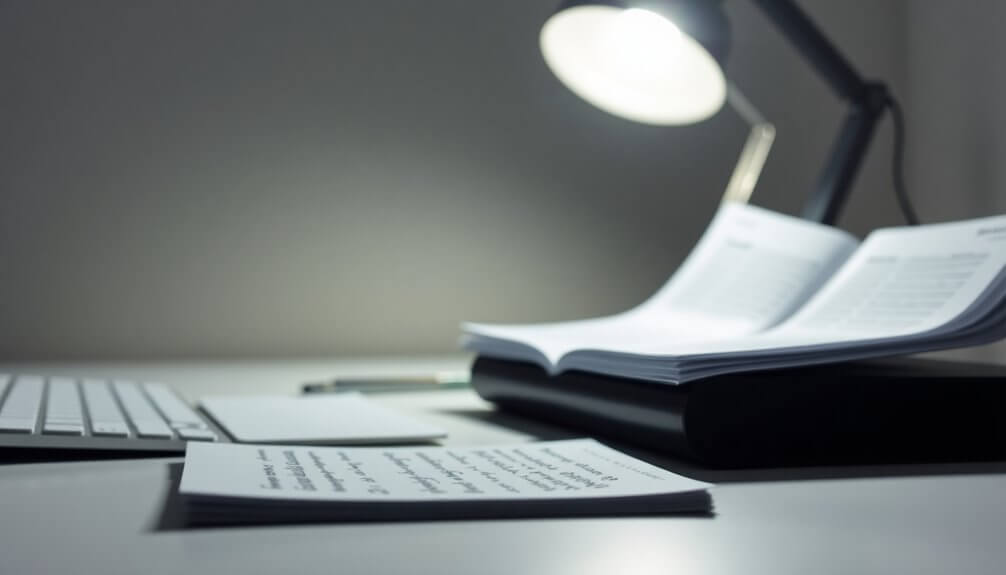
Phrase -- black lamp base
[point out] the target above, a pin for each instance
(890, 411)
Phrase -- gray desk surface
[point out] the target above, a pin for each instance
(113, 517)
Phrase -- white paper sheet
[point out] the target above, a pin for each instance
(333, 419)
(572, 469)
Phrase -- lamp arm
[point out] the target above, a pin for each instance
(847, 153)
(755, 151)
(867, 101)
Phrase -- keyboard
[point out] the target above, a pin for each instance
(69, 413)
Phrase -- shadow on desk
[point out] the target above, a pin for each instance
(18, 455)
(549, 432)
(172, 515)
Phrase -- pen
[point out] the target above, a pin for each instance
(372, 384)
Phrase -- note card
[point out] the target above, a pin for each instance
(244, 483)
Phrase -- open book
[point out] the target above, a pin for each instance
(763, 290)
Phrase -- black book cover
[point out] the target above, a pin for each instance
(882, 411)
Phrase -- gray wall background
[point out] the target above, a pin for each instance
(956, 78)
(249, 178)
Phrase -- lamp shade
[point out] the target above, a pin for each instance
(650, 62)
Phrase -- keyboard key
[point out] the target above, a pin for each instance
(176, 411)
(146, 420)
(25, 397)
(197, 434)
(106, 417)
(63, 412)
(182, 418)
(19, 413)
(4, 380)
(109, 429)
(153, 430)
(16, 425)
(63, 428)
(177, 426)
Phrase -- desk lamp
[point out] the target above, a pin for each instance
(661, 62)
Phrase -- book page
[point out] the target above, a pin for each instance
(901, 282)
(907, 280)
(751, 269)
(571, 469)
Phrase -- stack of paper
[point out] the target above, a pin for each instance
(243, 484)
(764, 291)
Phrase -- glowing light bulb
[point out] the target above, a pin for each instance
(644, 39)
(633, 63)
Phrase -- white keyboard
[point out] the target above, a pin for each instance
(67, 413)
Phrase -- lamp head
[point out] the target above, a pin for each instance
(655, 62)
